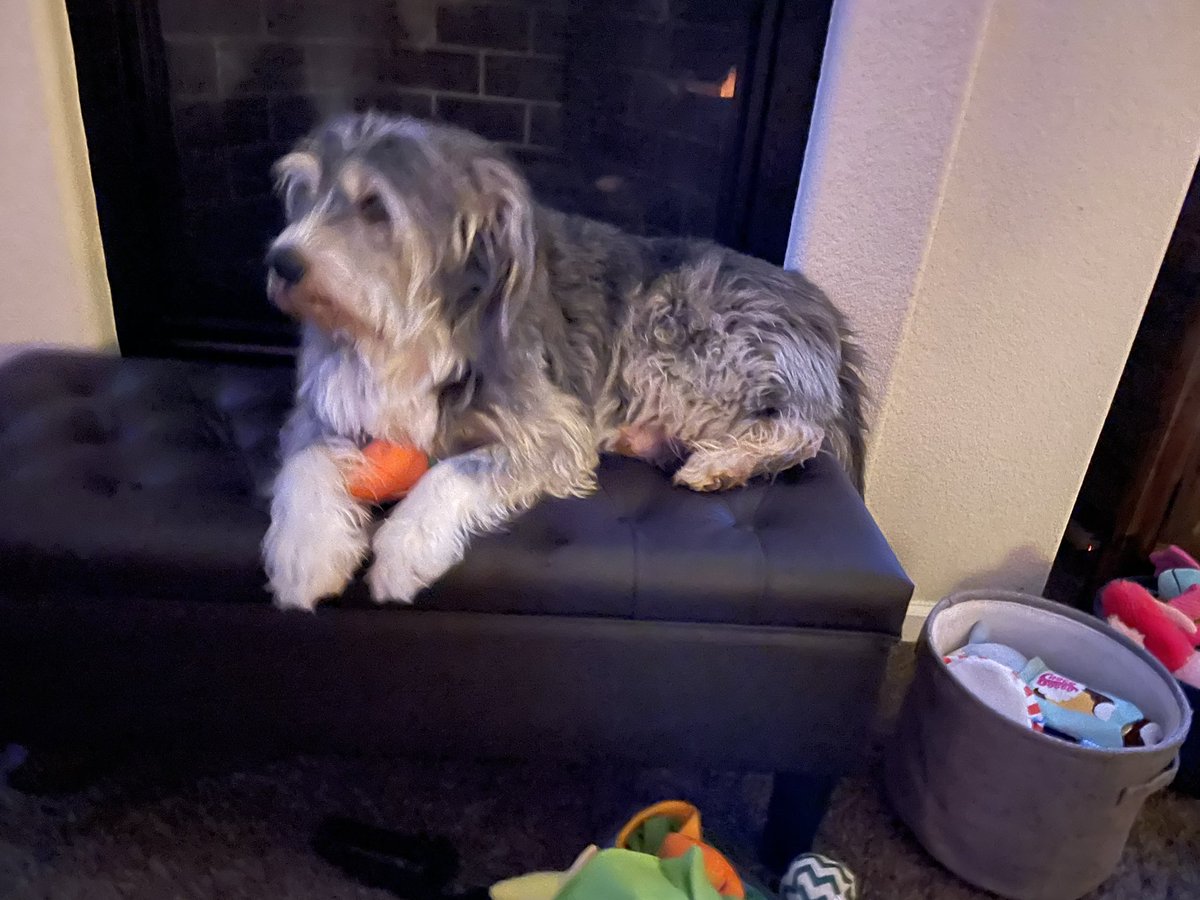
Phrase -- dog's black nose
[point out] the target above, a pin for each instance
(287, 263)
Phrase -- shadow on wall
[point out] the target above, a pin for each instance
(1023, 569)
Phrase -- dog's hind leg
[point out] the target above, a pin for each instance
(763, 447)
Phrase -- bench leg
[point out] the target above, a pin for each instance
(798, 803)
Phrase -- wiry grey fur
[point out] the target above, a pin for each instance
(443, 307)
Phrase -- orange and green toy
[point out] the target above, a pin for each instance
(659, 855)
(387, 472)
(669, 830)
(615, 874)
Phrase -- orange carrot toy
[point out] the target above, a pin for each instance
(388, 472)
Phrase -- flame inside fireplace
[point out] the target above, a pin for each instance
(729, 85)
(725, 89)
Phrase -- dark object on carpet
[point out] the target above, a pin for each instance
(646, 624)
(403, 864)
(798, 804)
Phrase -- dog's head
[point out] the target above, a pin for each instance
(394, 224)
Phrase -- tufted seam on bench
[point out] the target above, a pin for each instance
(762, 547)
(631, 524)
(220, 417)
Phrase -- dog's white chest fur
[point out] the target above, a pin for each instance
(392, 399)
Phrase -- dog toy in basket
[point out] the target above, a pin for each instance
(1029, 693)
(989, 670)
(1082, 714)
(387, 472)
(998, 686)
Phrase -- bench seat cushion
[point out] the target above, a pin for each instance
(149, 477)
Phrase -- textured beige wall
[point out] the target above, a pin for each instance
(893, 87)
(51, 260)
(994, 187)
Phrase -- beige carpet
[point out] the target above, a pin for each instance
(145, 833)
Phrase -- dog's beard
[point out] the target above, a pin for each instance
(319, 308)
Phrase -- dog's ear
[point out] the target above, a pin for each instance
(495, 245)
(295, 176)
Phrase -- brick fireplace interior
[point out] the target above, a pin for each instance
(631, 111)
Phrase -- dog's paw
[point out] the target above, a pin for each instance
(703, 477)
(393, 581)
(317, 538)
(411, 553)
(395, 577)
(303, 587)
(302, 568)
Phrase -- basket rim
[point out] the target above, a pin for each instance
(1170, 742)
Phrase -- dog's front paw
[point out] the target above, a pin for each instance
(317, 538)
(391, 580)
(304, 595)
(304, 567)
(407, 559)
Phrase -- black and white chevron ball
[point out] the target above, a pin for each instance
(812, 876)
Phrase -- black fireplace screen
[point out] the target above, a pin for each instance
(664, 117)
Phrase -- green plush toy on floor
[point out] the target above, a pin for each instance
(660, 854)
(615, 874)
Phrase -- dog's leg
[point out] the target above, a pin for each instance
(649, 443)
(763, 448)
(318, 533)
(428, 532)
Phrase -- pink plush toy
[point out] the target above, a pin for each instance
(1172, 557)
(1163, 630)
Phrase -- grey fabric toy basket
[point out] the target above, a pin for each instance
(1019, 813)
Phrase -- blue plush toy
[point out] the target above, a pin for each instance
(1085, 715)
(979, 645)
(1174, 582)
(1064, 707)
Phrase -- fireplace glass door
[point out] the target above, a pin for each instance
(665, 117)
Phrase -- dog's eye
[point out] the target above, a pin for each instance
(373, 210)
(297, 197)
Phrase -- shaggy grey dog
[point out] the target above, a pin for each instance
(442, 307)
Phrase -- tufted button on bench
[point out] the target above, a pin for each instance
(747, 629)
